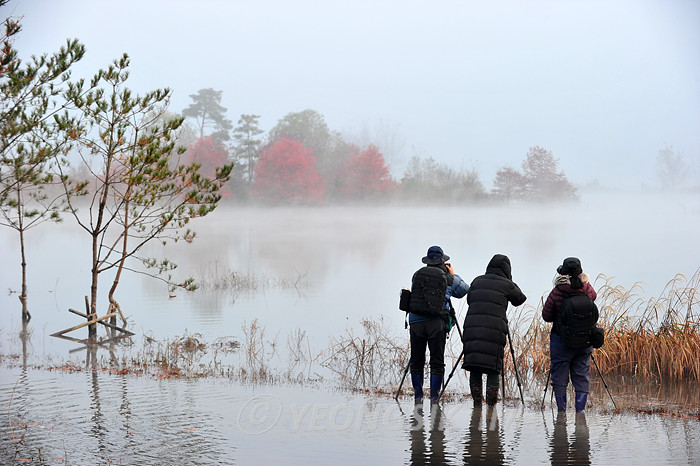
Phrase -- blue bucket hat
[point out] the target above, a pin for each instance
(435, 256)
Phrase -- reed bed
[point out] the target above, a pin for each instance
(213, 279)
(664, 342)
(655, 339)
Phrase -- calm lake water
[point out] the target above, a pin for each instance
(91, 417)
(348, 263)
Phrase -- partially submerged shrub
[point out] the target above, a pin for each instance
(368, 360)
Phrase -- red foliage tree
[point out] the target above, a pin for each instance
(210, 155)
(285, 172)
(366, 175)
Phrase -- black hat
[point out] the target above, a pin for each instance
(435, 256)
(570, 267)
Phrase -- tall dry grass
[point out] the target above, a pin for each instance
(658, 338)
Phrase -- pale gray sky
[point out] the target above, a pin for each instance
(604, 85)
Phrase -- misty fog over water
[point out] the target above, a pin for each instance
(350, 262)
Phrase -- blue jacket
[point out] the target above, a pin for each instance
(458, 289)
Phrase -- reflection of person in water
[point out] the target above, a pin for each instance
(431, 451)
(484, 447)
(576, 452)
(416, 432)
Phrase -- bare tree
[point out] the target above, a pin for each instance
(509, 184)
(672, 170)
(543, 181)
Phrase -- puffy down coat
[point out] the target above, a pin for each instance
(485, 328)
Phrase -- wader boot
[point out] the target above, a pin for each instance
(477, 393)
(435, 386)
(581, 401)
(417, 381)
(560, 397)
(491, 395)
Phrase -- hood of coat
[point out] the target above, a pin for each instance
(500, 265)
(565, 279)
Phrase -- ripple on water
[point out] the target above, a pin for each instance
(91, 417)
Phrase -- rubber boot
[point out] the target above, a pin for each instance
(417, 381)
(491, 395)
(581, 398)
(435, 386)
(560, 397)
(477, 394)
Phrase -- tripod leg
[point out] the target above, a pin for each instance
(515, 368)
(503, 379)
(450, 376)
(601, 378)
(405, 372)
(546, 384)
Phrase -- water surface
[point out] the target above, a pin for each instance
(349, 263)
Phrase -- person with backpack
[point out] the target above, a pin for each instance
(430, 318)
(570, 307)
(485, 328)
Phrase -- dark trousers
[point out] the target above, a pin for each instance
(476, 378)
(567, 362)
(430, 333)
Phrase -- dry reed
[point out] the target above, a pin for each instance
(369, 360)
(234, 282)
(662, 342)
(656, 339)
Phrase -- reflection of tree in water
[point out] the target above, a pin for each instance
(98, 429)
(576, 451)
(24, 337)
(282, 243)
(292, 241)
(484, 445)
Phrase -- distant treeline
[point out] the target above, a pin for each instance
(300, 160)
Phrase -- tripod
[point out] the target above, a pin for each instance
(408, 365)
(515, 367)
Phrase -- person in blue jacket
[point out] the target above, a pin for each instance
(431, 331)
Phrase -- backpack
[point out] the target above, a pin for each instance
(428, 289)
(579, 316)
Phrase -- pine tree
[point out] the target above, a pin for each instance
(208, 112)
(28, 143)
(247, 143)
(141, 190)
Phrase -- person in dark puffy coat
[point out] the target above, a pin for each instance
(485, 330)
(565, 362)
